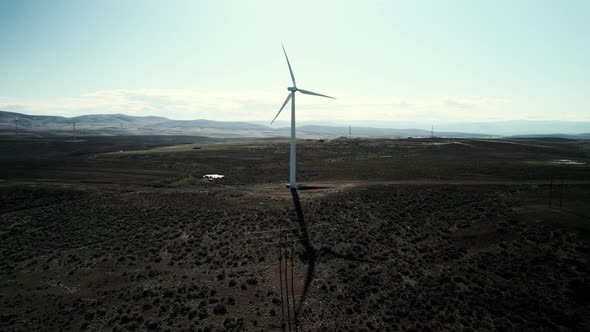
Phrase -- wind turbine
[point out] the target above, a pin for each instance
(291, 97)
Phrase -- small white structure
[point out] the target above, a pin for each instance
(212, 177)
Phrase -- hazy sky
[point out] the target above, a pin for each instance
(222, 60)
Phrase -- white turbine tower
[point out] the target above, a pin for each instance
(291, 96)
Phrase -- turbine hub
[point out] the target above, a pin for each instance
(292, 88)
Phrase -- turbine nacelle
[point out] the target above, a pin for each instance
(294, 89)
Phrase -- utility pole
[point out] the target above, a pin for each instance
(551, 193)
(561, 194)
(349, 131)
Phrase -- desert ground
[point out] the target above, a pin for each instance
(125, 234)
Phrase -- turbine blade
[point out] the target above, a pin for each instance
(289, 64)
(285, 103)
(313, 93)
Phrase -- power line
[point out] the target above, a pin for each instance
(293, 287)
(281, 282)
(287, 293)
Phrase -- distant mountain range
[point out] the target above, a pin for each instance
(120, 124)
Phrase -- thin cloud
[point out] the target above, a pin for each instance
(474, 102)
(254, 105)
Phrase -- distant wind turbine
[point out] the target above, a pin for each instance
(291, 97)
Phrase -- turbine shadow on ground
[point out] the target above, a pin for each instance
(309, 254)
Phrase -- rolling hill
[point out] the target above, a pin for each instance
(120, 124)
